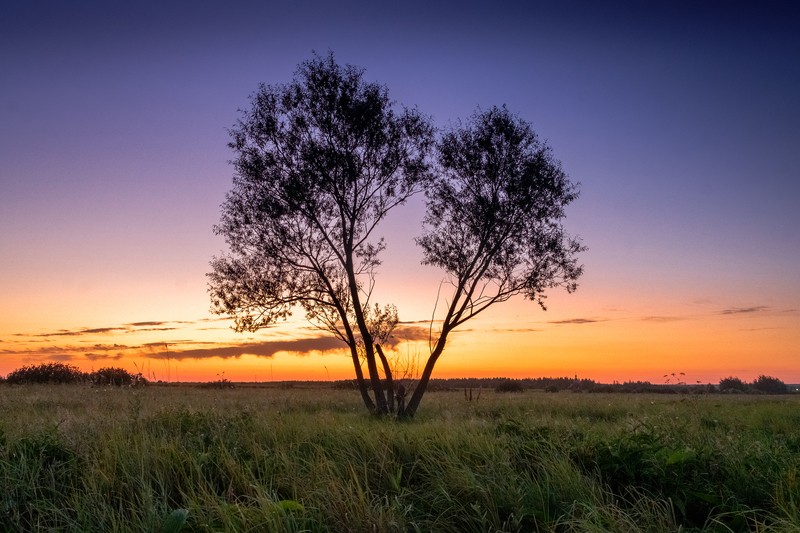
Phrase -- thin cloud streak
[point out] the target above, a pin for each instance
(151, 350)
(131, 327)
(78, 332)
(259, 349)
(662, 318)
(743, 310)
(577, 321)
(515, 330)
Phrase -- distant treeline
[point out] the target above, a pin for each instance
(762, 385)
(64, 373)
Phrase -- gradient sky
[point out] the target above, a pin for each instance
(681, 121)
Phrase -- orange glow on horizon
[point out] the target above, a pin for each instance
(616, 347)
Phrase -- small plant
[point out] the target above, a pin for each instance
(221, 383)
(175, 521)
(675, 378)
(468, 397)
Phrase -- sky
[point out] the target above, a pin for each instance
(680, 120)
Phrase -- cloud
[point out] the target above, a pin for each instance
(518, 330)
(663, 318)
(77, 332)
(132, 327)
(173, 350)
(103, 357)
(259, 349)
(70, 350)
(743, 310)
(576, 321)
(405, 332)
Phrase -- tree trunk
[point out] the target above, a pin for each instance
(377, 386)
(419, 390)
(369, 352)
(389, 380)
(362, 385)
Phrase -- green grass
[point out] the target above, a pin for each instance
(76, 458)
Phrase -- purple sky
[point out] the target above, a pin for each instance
(681, 120)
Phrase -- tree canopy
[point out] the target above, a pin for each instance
(493, 223)
(321, 161)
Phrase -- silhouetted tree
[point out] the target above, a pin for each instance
(732, 384)
(319, 164)
(112, 376)
(46, 373)
(494, 222)
(770, 385)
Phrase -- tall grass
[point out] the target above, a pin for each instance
(75, 458)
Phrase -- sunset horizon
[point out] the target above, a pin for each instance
(679, 123)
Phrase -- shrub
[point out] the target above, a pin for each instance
(221, 383)
(769, 385)
(46, 373)
(344, 384)
(111, 376)
(509, 385)
(732, 384)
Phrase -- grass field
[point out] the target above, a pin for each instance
(164, 458)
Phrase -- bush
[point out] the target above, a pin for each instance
(111, 376)
(770, 385)
(46, 373)
(509, 385)
(732, 384)
(221, 383)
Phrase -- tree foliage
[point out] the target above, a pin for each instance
(319, 164)
(45, 373)
(493, 223)
(114, 376)
(732, 384)
(769, 385)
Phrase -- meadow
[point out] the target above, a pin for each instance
(181, 458)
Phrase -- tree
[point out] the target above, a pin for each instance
(319, 163)
(732, 384)
(493, 222)
(46, 373)
(770, 385)
(112, 376)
